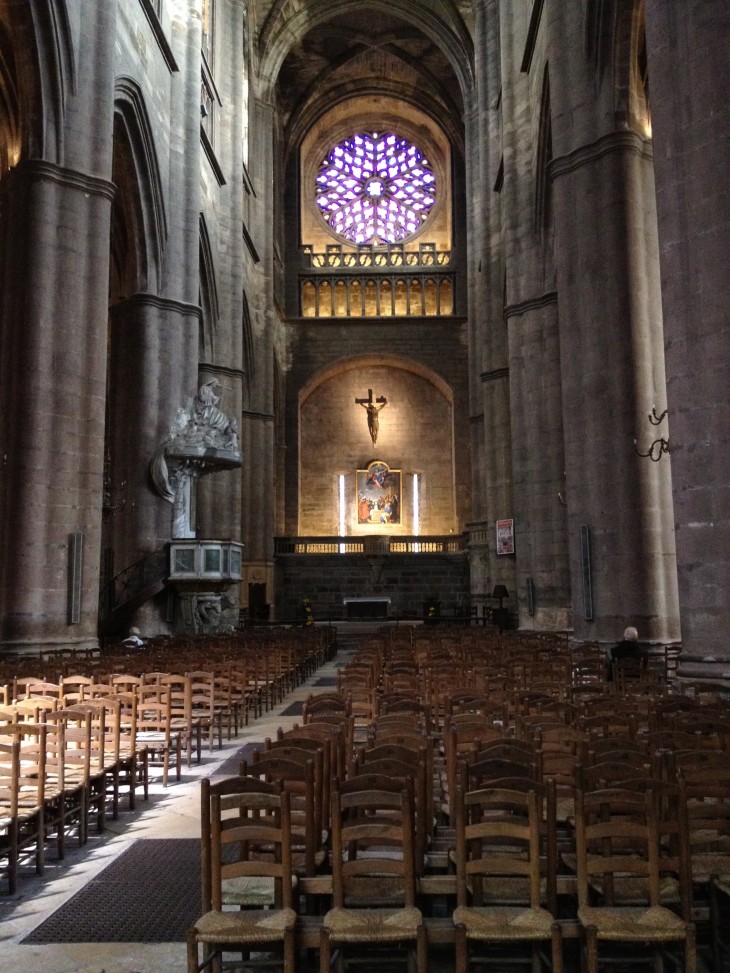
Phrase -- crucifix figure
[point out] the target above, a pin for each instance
(373, 407)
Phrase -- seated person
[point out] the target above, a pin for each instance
(627, 648)
(134, 639)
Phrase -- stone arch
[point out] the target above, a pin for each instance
(630, 80)
(325, 100)
(33, 89)
(249, 359)
(614, 42)
(208, 296)
(290, 19)
(544, 154)
(359, 362)
(414, 435)
(139, 219)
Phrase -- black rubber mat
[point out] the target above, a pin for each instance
(325, 681)
(229, 767)
(149, 894)
(294, 709)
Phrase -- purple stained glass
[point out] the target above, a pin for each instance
(376, 188)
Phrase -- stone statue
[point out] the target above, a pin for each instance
(202, 439)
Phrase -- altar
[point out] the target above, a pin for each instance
(369, 606)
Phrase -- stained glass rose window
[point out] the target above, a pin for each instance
(375, 188)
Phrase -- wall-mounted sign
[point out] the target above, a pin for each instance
(505, 537)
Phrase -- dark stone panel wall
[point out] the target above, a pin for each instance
(408, 580)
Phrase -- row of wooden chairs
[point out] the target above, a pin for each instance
(60, 773)
(71, 745)
(505, 878)
(559, 741)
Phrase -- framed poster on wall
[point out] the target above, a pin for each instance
(378, 494)
(505, 536)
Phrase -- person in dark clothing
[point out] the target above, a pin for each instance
(627, 648)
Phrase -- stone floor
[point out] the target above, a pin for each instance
(171, 813)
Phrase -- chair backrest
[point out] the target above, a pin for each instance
(75, 742)
(9, 776)
(245, 833)
(332, 739)
(373, 848)
(32, 740)
(296, 774)
(498, 844)
(75, 688)
(616, 836)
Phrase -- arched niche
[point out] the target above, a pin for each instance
(415, 435)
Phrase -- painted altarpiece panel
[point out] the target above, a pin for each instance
(378, 495)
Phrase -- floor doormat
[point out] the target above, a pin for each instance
(229, 767)
(325, 681)
(149, 894)
(293, 709)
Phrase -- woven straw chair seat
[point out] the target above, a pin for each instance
(261, 926)
(506, 922)
(372, 925)
(652, 924)
(722, 882)
(245, 891)
(706, 865)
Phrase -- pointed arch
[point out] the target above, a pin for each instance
(543, 185)
(140, 205)
(35, 87)
(208, 295)
(249, 362)
(290, 19)
(615, 42)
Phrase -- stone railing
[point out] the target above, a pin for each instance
(387, 281)
(372, 544)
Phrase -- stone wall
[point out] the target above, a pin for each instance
(420, 367)
(408, 580)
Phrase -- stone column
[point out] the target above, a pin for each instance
(543, 568)
(611, 351)
(219, 495)
(687, 46)
(258, 499)
(489, 373)
(53, 340)
(538, 461)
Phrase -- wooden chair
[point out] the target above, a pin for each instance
(404, 763)
(155, 732)
(202, 709)
(297, 774)
(334, 758)
(133, 756)
(80, 791)
(22, 784)
(246, 858)
(373, 874)
(613, 847)
(500, 873)
(704, 783)
(720, 919)
(463, 734)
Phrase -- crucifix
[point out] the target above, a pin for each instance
(373, 407)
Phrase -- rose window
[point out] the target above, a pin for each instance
(375, 189)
